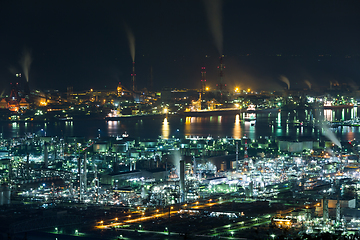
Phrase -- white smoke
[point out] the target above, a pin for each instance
(214, 14)
(13, 70)
(326, 131)
(308, 84)
(131, 39)
(285, 80)
(25, 62)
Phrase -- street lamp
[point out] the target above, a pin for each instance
(273, 236)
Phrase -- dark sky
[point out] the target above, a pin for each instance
(83, 43)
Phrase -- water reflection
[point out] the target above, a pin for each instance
(237, 132)
(69, 128)
(328, 115)
(165, 131)
(113, 128)
(15, 129)
(250, 129)
(284, 123)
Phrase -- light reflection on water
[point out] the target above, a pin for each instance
(165, 131)
(274, 124)
(237, 132)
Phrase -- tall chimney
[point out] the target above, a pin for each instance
(338, 211)
(85, 173)
(46, 155)
(27, 166)
(133, 75)
(182, 180)
(325, 209)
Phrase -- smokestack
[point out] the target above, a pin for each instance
(245, 151)
(85, 173)
(79, 170)
(96, 181)
(116, 165)
(338, 211)
(46, 156)
(194, 167)
(237, 157)
(55, 152)
(133, 75)
(203, 79)
(251, 188)
(221, 68)
(325, 209)
(27, 166)
(182, 181)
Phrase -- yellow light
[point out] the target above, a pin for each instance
(237, 89)
(207, 88)
(165, 110)
(249, 90)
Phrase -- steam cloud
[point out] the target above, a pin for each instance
(326, 130)
(308, 84)
(285, 80)
(213, 10)
(131, 39)
(25, 62)
(13, 70)
(329, 134)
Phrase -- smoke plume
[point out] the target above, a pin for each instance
(213, 10)
(308, 84)
(25, 62)
(285, 80)
(13, 70)
(131, 39)
(326, 130)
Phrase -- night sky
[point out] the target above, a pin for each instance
(84, 44)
